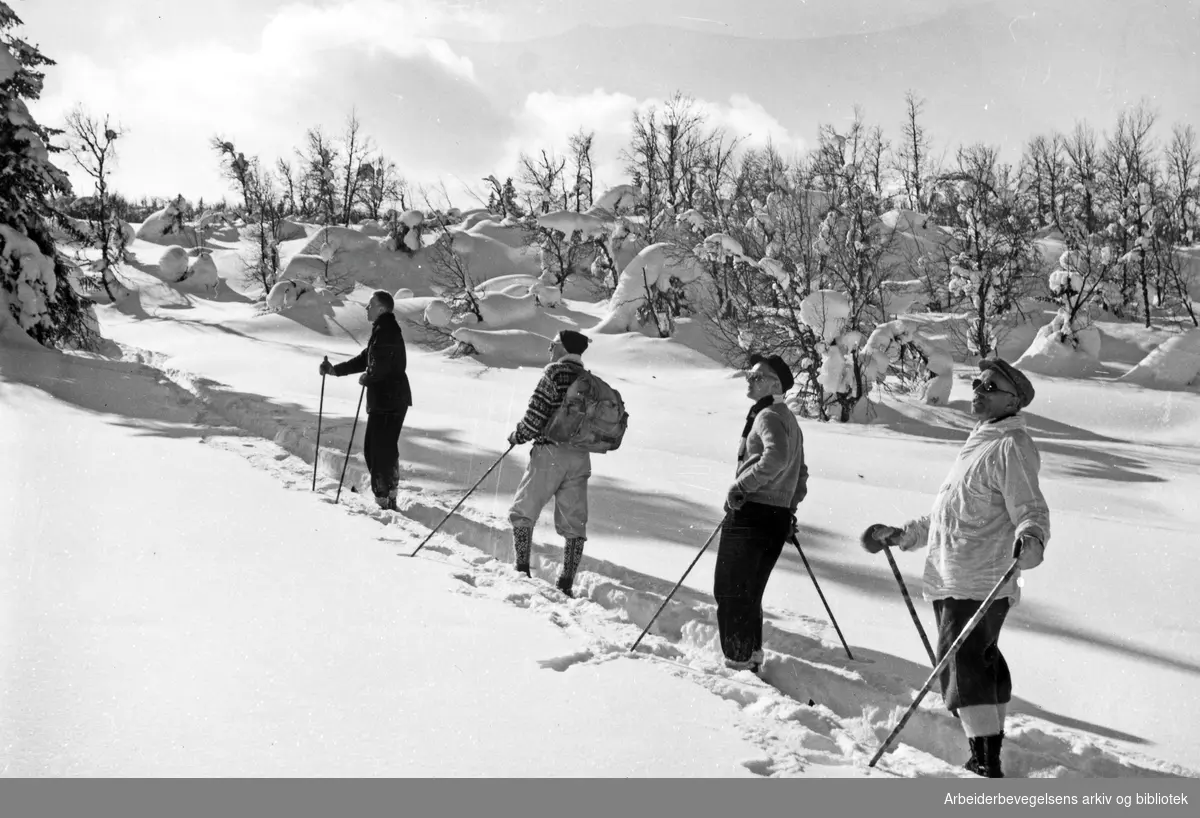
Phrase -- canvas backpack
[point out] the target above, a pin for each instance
(592, 416)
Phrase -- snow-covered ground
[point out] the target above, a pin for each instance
(178, 602)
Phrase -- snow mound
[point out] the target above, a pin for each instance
(339, 239)
(412, 218)
(402, 294)
(489, 257)
(1172, 365)
(173, 263)
(302, 267)
(515, 347)
(474, 217)
(289, 231)
(547, 295)
(515, 237)
(372, 228)
(617, 200)
(1056, 351)
(508, 283)
(201, 274)
(286, 294)
(654, 266)
(165, 226)
(568, 222)
(907, 220)
(438, 313)
(501, 310)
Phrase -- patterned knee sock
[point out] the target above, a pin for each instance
(522, 545)
(572, 554)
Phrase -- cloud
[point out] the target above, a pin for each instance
(309, 65)
(546, 120)
(405, 28)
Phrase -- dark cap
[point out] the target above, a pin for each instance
(776, 365)
(573, 342)
(1014, 376)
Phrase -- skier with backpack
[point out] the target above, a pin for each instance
(571, 414)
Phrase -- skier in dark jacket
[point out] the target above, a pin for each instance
(772, 481)
(383, 364)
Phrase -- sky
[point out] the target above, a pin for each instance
(455, 91)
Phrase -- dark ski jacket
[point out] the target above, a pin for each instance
(385, 362)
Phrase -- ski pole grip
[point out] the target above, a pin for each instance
(1017, 548)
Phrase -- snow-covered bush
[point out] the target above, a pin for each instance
(287, 293)
(889, 349)
(166, 224)
(438, 313)
(1062, 349)
(173, 263)
(201, 274)
(660, 270)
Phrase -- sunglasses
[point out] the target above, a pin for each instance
(989, 387)
(758, 377)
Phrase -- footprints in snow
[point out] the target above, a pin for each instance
(792, 734)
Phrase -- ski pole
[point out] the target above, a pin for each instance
(320, 413)
(817, 585)
(677, 584)
(464, 499)
(953, 649)
(908, 601)
(350, 443)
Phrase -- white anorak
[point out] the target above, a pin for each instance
(990, 498)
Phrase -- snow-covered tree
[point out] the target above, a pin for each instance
(992, 232)
(580, 145)
(355, 174)
(92, 145)
(35, 287)
(318, 164)
(385, 186)
(1130, 182)
(913, 161)
(668, 151)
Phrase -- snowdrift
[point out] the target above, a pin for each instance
(288, 294)
(1056, 351)
(201, 274)
(487, 257)
(165, 227)
(1172, 365)
(173, 263)
(340, 239)
(504, 347)
(502, 310)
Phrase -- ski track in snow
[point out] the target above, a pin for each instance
(812, 706)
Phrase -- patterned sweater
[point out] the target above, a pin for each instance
(547, 397)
